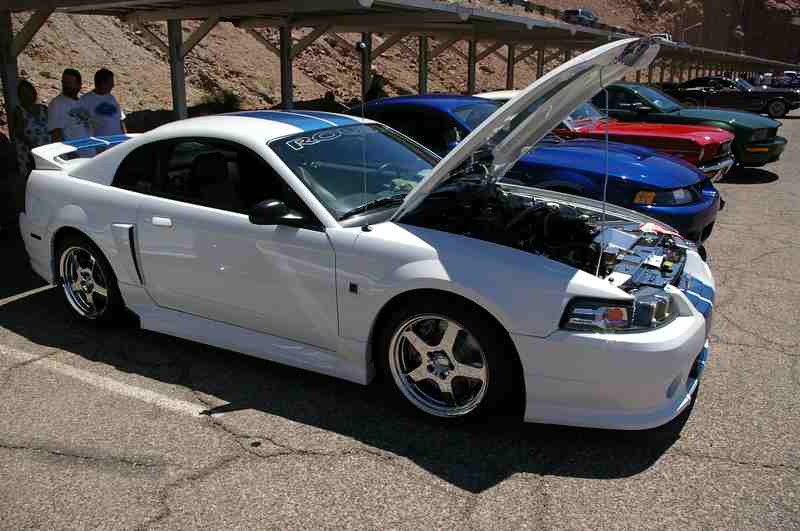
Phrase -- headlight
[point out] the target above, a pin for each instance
(593, 315)
(759, 135)
(651, 308)
(680, 196)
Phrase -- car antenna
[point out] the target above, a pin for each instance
(605, 184)
(363, 49)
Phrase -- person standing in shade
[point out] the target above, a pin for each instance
(30, 126)
(106, 114)
(67, 118)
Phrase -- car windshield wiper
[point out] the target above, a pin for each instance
(381, 201)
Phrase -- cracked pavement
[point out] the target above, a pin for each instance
(276, 447)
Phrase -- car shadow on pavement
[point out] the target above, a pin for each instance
(740, 175)
(472, 456)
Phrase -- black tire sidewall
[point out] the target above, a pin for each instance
(777, 115)
(115, 305)
(494, 342)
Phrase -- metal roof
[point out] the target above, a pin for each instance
(416, 17)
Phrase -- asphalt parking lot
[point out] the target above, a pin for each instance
(122, 428)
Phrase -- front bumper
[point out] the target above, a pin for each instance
(718, 169)
(694, 221)
(628, 381)
(760, 153)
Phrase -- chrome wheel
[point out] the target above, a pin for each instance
(438, 365)
(84, 283)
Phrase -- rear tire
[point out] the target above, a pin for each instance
(777, 109)
(445, 359)
(87, 281)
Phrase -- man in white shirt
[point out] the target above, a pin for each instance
(67, 118)
(107, 116)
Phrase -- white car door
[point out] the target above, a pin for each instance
(200, 253)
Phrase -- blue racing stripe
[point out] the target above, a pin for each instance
(338, 119)
(96, 141)
(304, 123)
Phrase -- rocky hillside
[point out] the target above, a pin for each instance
(233, 61)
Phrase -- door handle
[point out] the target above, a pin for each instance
(161, 222)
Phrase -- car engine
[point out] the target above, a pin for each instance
(628, 254)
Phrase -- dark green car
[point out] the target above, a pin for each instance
(756, 143)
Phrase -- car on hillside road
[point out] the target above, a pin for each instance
(708, 148)
(338, 245)
(756, 141)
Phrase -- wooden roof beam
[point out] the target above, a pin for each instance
(309, 39)
(488, 51)
(150, 36)
(264, 41)
(246, 9)
(198, 35)
(29, 30)
(439, 50)
(388, 43)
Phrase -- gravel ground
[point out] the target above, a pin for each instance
(124, 428)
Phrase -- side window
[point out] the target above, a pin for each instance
(404, 120)
(137, 171)
(618, 98)
(224, 176)
(437, 131)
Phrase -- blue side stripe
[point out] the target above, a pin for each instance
(96, 141)
(701, 304)
(701, 288)
(338, 119)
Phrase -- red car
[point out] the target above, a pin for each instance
(708, 148)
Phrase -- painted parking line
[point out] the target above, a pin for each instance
(105, 383)
(19, 296)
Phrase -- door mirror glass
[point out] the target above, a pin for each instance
(274, 212)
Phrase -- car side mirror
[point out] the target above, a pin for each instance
(274, 212)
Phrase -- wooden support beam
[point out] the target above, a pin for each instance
(8, 68)
(387, 43)
(423, 65)
(309, 39)
(472, 55)
(439, 50)
(524, 55)
(366, 64)
(198, 35)
(28, 31)
(287, 86)
(488, 51)
(349, 46)
(264, 42)
(176, 67)
(552, 56)
(540, 63)
(510, 64)
(150, 36)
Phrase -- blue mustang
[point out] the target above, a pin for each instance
(660, 186)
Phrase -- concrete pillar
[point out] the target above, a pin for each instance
(510, 67)
(366, 64)
(287, 94)
(471, 66)
(176, 68)
(8, 69)
(423, 65)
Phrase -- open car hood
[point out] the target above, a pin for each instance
(516, 127)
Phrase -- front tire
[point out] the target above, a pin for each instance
(87, 281)
(445, 358)
(777, 109)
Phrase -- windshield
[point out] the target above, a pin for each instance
(744, 85)
(586, 111)
(658, 99)
(474, 114)
(352, 166)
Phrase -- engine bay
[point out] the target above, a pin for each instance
(628, 254)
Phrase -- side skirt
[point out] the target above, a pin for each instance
(242, 340)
